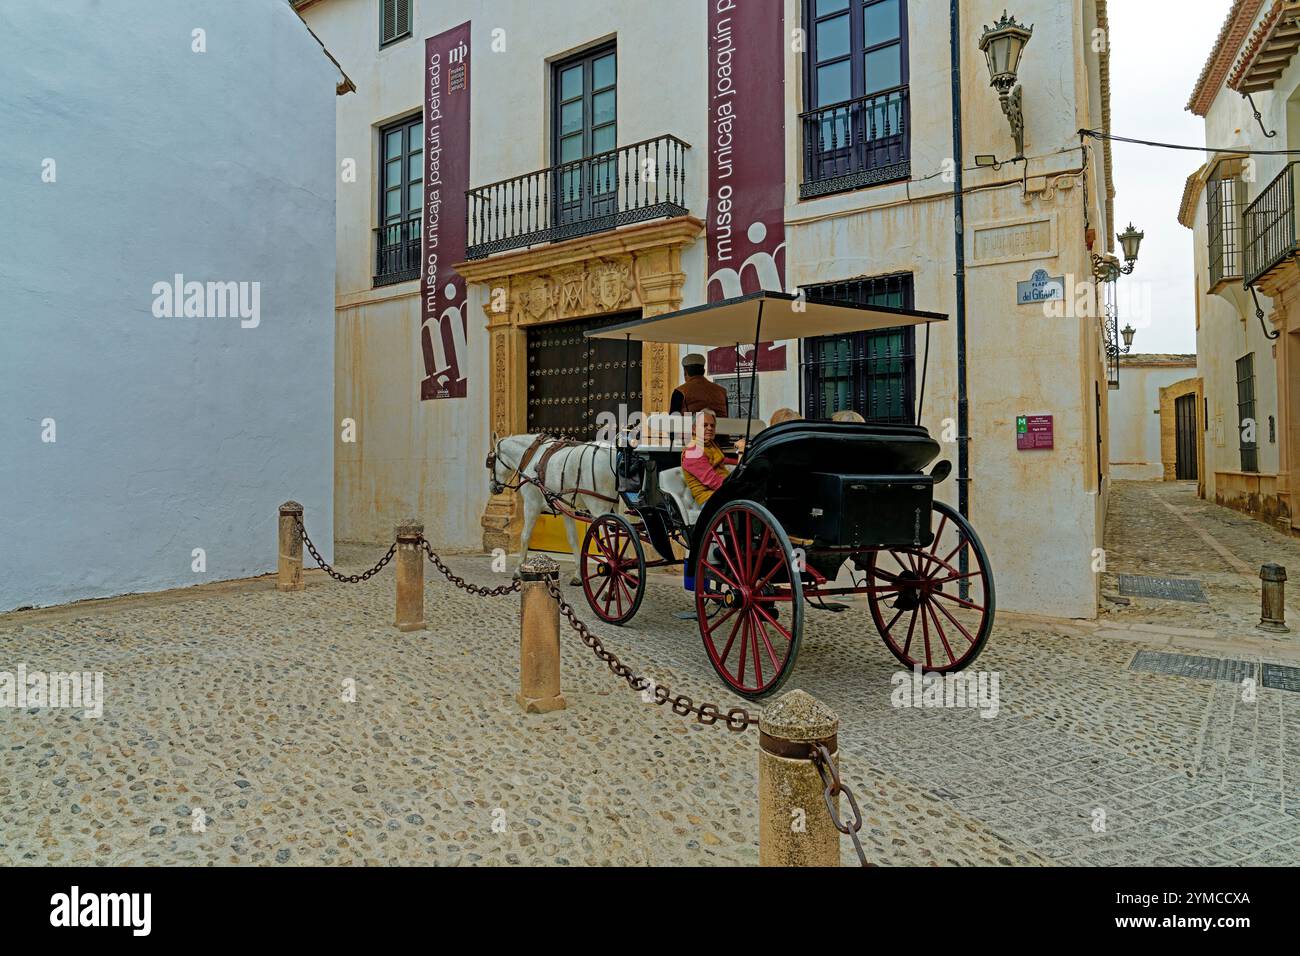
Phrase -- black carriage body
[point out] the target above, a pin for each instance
(638, 486)
(854, 511)
(844, 486)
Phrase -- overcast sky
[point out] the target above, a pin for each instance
(1157, 50)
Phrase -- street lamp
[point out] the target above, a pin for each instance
(1002, 45)
(1106, 268)
(1130, 240)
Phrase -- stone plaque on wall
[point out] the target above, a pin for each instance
(1034, 239)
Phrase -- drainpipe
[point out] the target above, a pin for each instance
(959, 231)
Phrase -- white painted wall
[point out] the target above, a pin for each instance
(1135, 419)
(171, 433)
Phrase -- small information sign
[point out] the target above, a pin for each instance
(1033, 432)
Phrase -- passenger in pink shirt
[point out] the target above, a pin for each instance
(703, 462)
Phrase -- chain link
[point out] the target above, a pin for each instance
(736, 719)
(834, 786)
(337, 576)
(460, 582)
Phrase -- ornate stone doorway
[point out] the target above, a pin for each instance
(629, 270)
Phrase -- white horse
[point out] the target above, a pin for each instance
(582, 475)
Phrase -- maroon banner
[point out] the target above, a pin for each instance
(746, 238)
(443, 320)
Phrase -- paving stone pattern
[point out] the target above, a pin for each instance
(231, 700)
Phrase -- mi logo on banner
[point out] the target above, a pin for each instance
(103, 909)
(456, 79)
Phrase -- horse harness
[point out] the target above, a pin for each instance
(553, 445)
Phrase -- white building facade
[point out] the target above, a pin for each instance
(1240, 206)
(167, 272)
(607, 177)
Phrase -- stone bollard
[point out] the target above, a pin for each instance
(289, 566)
(794, 825)
(539, 638)
(1272, 613)
(410, 576)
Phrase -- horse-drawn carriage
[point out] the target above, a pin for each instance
(814, 510)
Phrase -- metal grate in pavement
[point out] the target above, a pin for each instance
(1274, 676)
(1165, 589)
(1187, 665)
(1279, 677)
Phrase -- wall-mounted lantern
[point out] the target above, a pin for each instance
(1106, 268)
(1002, 44)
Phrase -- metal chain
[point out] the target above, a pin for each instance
(460, 582)
(736, 719)
(344, 578)
(821, 758)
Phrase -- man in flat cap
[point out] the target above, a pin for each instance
(697, 393)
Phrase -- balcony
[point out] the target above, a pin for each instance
(635, 183)
(1270, 231)
(397, 251)
(856, 143)
(1225, 198)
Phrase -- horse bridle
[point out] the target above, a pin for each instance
(498, 487)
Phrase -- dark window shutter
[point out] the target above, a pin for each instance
(387, 21)
(403, 26)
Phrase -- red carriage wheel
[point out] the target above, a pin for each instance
(748, 599)
(613, 569)
(931, 612)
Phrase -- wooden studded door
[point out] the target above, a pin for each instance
(572, 379)
(1185, 433)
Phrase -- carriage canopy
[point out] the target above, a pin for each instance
(775, 316)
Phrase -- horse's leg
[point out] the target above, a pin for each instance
(532, 508)
(571, 529)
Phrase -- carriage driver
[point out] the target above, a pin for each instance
(703, 462)
(697, 392)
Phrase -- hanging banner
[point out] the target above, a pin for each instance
(443, 320)
(746, 238)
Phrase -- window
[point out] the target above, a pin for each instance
(1246, 423)
(855, 130)
(584, 137)
(394, 21)
(872, 373)
(1225, 196)
(401, 200)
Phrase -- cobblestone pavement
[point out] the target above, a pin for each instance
(229, 699)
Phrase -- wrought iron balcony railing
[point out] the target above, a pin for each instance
(1224, 201)
(635, 183)
(1270, 226)
(397, 251)
(856, 143)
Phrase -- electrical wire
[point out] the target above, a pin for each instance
(1097, 134)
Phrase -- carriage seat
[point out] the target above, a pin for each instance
(673, 483)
